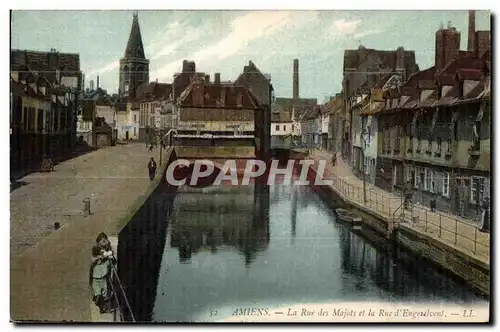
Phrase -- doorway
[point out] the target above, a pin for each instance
(126, 135)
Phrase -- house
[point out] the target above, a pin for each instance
(260, 86)
(105, 106)
(58, 76)
(217, 108)
(127, 120)
(335, 123)
(103, 132)
(40, 118)
(311, 127)
(155, 102)
(325, 120)
(86, 115)
(363, 68)
(281, 128)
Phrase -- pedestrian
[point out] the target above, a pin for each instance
(407, 193)
(150, 148)
(152, 168)
(102, 264)
(485, 216)
(334, 159)
(432, 203)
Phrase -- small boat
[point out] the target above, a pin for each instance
(348, 217)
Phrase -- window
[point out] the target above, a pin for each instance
(446, 184)
(277, 127)
(293, 127)
(476, 190)
(409, 173)
(432, 187)
(284, 127)
(427, 179)
(394, 175)
(135, 118)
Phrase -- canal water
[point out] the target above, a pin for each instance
(276, 246)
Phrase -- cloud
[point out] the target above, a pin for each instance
(344, 27)
(368, 33)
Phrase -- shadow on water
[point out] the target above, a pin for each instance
(229, 247)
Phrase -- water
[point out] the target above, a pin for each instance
(245, 247)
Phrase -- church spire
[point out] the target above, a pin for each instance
(135, 48)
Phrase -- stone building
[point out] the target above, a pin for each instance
(336, 121)
(134, 67)
(281, 128)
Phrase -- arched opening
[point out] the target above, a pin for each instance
(140, 74)
(126, 73)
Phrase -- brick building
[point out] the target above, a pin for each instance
(435, 131)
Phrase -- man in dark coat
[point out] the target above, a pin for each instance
(152, 168)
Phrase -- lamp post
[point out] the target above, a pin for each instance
(363, 138)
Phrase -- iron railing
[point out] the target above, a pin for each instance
(461, 233)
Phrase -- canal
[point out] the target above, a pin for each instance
(275, 246)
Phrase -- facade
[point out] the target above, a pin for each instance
(217, 109)
(325, 120)
(311, 127)
(134, 67)
(335, 124)
(281, 128)
(49, 75)
(260, 86)
(155, 102)
(85, 126)
(127, 121)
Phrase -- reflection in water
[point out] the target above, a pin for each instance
(277, 246)
(205, 220)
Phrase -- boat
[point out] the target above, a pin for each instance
(348, 217)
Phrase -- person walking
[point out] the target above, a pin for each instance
(152, 168)
(407, 194)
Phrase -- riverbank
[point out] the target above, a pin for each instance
(380, 213)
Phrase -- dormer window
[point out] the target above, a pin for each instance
(239, 100)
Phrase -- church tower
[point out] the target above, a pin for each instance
(134, 67)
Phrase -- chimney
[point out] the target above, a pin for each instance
(156, 81)
(400, 58)
(447, 47)
(91, 85)
(296, 79)
(207, 78)
(97, 81)
(217, 78)
(185, 66)
(472, 31)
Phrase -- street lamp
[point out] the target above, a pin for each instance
(364, 134)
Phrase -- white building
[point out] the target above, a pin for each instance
(127, 122)
(281, 128)
(325, 120)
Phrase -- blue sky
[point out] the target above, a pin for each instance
(224, 41)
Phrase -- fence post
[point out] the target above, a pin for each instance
(456, 230)
(426, 220)
(439, 225)
(475, 240)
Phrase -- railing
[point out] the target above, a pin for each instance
(450, 229)
(114, 276)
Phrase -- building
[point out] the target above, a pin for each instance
(223, 111)
(363, 68)
(127, 120)
(57, 76)
(155, 102)
(85, 125)
(311, 127)
(260, 86)
(325, 120)
(336, 122)
(281, 128)
(105, 106)
(134, 67)
(435, 131)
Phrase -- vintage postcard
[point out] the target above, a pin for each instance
(178, 166)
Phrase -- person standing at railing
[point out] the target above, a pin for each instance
(485, 216)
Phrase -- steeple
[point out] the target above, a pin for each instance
(135, 48)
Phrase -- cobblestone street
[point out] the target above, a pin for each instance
(46, 198)
(453, 230)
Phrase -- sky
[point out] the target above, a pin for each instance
(224, 41)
